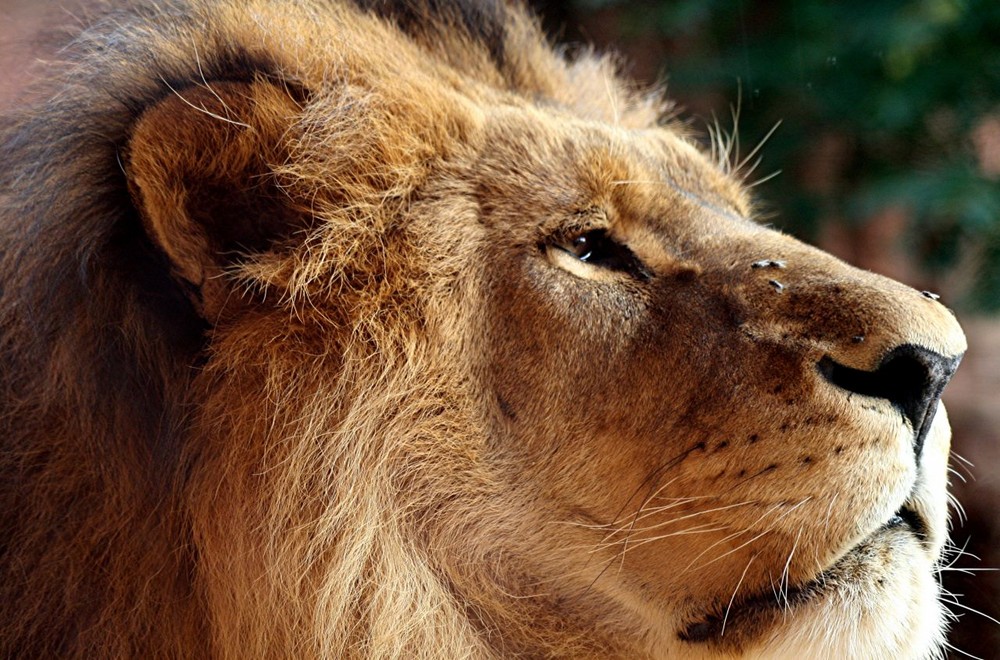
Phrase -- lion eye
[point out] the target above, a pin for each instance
(598, 249)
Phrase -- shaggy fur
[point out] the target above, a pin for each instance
(381, 329)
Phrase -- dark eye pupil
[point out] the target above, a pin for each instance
(583, 247)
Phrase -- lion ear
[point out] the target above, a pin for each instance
(200, 169)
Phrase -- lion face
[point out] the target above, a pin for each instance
(733, 437)
(379, 329)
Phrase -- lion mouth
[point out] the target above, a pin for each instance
(754, 607)
(907, 517)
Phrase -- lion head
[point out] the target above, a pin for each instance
(382, 329)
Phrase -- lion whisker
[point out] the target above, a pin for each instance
(756, 150)
(954, 552)
(829, 509)
(720, 541)
(725, 617)
(958, 474)
(750, 170)
(656, 510)
(952, 647)
(963, 463)
(674, 502)
(761, 535)
(952, 599)
(638, 511)
(783, 582)
(763, 179)
(730, 537)
(589, 526)
(959, 509)
(721, 144)
(697, 529)
(688, 517)
(651, 477)
(654, 494)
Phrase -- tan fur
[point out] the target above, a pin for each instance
(298, 362)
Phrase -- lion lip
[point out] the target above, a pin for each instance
(907, 517)
(712, 626)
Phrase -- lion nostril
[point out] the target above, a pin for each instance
(910, 377)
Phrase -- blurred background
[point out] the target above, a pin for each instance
(887, 154)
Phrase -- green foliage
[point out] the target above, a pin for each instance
(898, 85)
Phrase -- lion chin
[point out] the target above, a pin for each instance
(381, 328)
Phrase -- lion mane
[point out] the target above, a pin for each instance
(384, 329)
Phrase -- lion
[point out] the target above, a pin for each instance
(386, 329)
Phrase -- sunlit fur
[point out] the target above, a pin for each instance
(296, 362)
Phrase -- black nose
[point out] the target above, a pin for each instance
(910, 377)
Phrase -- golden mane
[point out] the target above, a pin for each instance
(101, 345)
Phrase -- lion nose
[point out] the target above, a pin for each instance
(909, 376)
